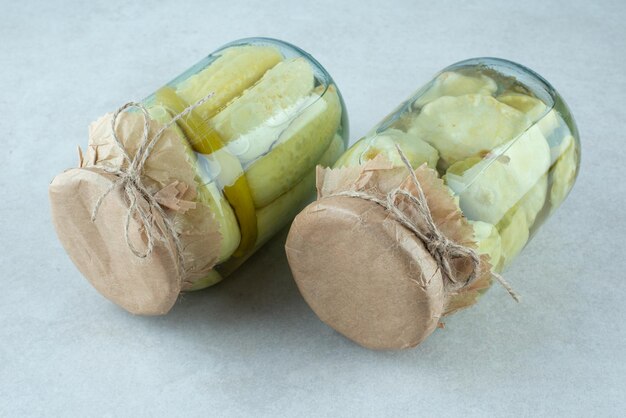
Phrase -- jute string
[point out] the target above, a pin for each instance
(442, 249)
(130, 180)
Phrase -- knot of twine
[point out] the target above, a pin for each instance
(443, 250)
(130, 180)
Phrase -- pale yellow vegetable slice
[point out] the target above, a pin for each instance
(564, 172)
(465, 126)
(273, 217)
(534, 108)
(535, 199)
(558, 134)
(353, 154)
(212, 278)
(488, 188)
(271, 98)
(258, 142)
(452, 83)
(514, 234)
(223, 212)
(517, 223)
(278, 213)
(300, 147)
(416, 150)
(551, 123)
(236, 69)
(488, 241)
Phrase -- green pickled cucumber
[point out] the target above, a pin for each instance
(202, 137)
(281, 211)
(277, 214)
(279, 93)
(236, 69)
(239, 197)
(300, 147)
(224, 214)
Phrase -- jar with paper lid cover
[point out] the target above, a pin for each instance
(174, 193)
(495, 150)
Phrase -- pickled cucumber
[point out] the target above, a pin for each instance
(224, 214)
(236, 69)
(274, 216)
(279, 92)
(268, 120)
(300, 147)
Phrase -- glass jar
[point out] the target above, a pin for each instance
(501, 138)
(274, 115)
(494, 143)
(264, 115)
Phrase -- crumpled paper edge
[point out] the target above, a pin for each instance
(379, 176)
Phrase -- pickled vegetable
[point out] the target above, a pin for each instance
(297, 150)
(274, 216)
(174, 193)
(415, 149)
(280, 91)
(463, 126)
(383, 256)
(488, 240)
(564, 172)
(505, 146)
(490, 187)
(450, 83)
(205, 140)
(233, 71)
(257, 138)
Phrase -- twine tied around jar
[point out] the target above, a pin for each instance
(130, 180)
(442, 249)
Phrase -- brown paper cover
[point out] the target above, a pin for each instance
(147, 286)
(365, 274)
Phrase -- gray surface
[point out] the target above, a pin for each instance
(251, 346)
